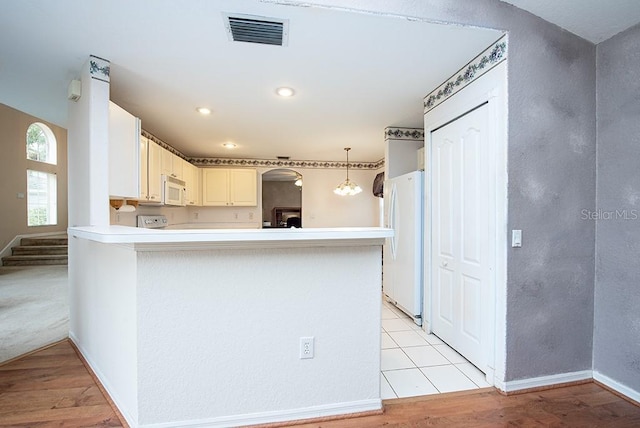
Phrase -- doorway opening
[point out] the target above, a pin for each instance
(465, 230)
(282, 198)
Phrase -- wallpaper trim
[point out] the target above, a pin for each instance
(492, 56)
(274, 163)
(99, 68)
(413, 134)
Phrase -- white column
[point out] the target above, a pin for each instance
(88, 152)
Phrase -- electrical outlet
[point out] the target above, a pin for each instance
(251, 216)
(235, 216)
(306, 347)
(117, 217)
(196, 215)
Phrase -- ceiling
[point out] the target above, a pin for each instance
(594, 20)
(354, 74)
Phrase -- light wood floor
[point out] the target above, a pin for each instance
(52, 388)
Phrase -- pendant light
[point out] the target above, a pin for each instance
(348, 187)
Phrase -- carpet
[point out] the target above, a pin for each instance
(34, 308)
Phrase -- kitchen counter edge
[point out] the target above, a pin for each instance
(150, 239)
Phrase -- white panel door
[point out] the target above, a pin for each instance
(460, 241)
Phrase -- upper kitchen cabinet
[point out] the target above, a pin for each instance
(215, 187)
(229, 187)
(243, 187)
(144, 168)
(154, 175)
(124, 153)
(172, 165)
(192, 179)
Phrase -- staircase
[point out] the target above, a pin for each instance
(50, 250)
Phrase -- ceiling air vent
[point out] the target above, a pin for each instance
(256, 29)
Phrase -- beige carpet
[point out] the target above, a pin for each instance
(34, 308)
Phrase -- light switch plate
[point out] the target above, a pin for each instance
(516, 238)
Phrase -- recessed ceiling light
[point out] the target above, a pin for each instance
(285, 92)
(229, 145)
(203, 110)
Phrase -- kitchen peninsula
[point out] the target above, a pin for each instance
(204, 327)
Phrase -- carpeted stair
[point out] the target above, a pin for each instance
(51, 250)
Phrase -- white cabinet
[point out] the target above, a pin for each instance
(124, 153)
(166, 162)
(144, 168)
(155, 162)
(172, 165)
(215, 187)
(229, 187)
(150, 179)
(154, 174)
(243, 187)
(192, 179)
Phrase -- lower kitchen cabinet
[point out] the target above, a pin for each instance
(229, 187)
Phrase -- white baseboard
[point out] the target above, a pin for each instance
(536, 382)
(277, 416)
(105, 384)
(617, 386)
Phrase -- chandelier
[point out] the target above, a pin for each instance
(348, 187)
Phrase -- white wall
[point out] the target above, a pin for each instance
(103, 319)
(323, 208)
(219, 340)
(88, 143)
(193, 336)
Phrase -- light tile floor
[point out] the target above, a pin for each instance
(415, 363)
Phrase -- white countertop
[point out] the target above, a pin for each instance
(142, 238)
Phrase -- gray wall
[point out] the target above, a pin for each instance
(279, 194)
(616, 352)
(552, 143)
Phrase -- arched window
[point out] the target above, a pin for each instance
(41, 144)
(42, 195)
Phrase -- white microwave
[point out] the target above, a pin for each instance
(174, 191)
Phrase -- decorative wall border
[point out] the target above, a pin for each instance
(99, 68)
(279, 163)
(164, 145)
(266, 163)
(492, 56)
(413, 134)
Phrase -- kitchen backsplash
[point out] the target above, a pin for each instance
(208, 217)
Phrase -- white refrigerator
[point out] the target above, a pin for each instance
(402, 258)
